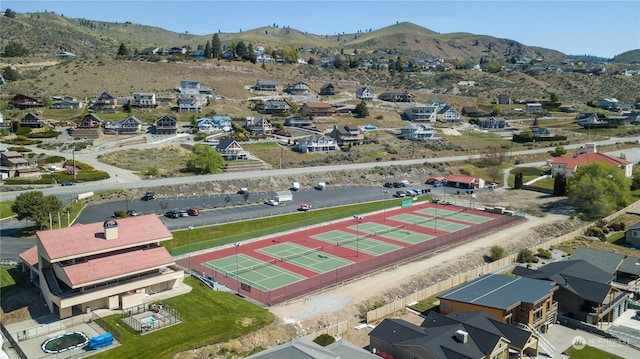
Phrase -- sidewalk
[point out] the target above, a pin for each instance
(562, 338)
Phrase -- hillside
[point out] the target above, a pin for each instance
(45, 34)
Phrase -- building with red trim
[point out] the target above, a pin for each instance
(114, 265)
(567, 166)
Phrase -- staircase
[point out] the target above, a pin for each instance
(244, 166)
(543, 344)
(52, 281)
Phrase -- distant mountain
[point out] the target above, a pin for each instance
(45, 34)
(629, 57)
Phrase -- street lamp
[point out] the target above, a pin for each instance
(237, 271)
(305, 225)
(189, 239)
(73, 155)
(357, 234)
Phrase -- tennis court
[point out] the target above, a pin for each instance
(433, 222)
(312, 258)
(456, 215)
(260, 274)
(356, 242)
(397, 233)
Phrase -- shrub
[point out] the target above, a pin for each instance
(20, 149)
(525, 256)
(120, 214)
(324, 340)
(497, 253)
(544, 253)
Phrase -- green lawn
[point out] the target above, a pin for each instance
(207, 317)
(590, 353)
(9, 279)
(209, 237)
(5, 209)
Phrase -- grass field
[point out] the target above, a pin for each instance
(209, 237)
(207, 317)
(5, 209)
(589, 352)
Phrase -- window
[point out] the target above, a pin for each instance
(445, 306)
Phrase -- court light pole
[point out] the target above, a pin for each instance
(189, 241)
(237, 268)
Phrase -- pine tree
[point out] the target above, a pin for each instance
(207, 50)
(216, 46)
(122, 50)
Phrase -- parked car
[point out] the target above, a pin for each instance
(398, 184)
(492, 185)
(67, 183)
(193, 212)
(438, 184)
(172, 214)
(411, 192)
(133, 213)
(272, 202)
(400, 194)
(149, 196)
(183, 213)
(388, 184)
(243, 190)
(304, 207)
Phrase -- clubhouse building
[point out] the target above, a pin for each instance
(114, 265)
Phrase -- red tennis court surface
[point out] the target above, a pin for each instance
(359, 244)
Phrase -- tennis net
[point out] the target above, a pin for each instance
(301, 254)
(425, 220)
(387, 230)
(259, 265)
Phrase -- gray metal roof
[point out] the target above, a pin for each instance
(607, 261)
(501, 291)
(630, 265)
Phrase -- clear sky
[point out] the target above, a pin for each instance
(601, 28)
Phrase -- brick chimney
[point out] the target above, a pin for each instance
(110, 229)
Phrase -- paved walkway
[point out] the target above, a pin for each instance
(562, 338)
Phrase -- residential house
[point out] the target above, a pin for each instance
(534, 107)
(230, 149)
(266, 85)
(590, 120)
(316, 109)
(65, 54)
(89, 127)
(317, 143)
(105, 102)
(504, 99)
(470, 111)
(227, 55)
(298, 88)
(567, 166)
(625, 269)
(301, 122)
(347, 135)
(151, 51)
(128, 125)
(32, 120)
(265, 59)
(189, 104)
(24, 102)
(421, 113)
(15, 165)
(610, 104)
(418, 132)
(365, 93)
(467, 334)
(177, 51)
(585, 291)
(305, 348)
(508, 299)
(464, 182)
(66, 102)
(396, 97)
(567, 108)
(117, 264)
(216, 123)
(199, 53)
(166, 125)
(437, 103)
(492, 123)
(540, 133)
(258, 125)
(144, 99)
(327, 90)
(632, 235)
(274, 106)
(448, 114)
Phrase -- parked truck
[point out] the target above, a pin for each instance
(284, 196)
(320, 186)
(295, 186)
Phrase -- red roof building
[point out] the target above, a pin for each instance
(567, 166)
(114, 264)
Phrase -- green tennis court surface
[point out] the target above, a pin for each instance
(312, 258)
(262, 275)
(437, 223)
(397, 233)
(458, 216)
(363, 244)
